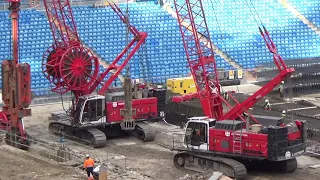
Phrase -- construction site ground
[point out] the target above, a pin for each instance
(127, 157)
(18, 164)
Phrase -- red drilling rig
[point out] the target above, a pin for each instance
(16, 89)
(72, 67)
(222, 141)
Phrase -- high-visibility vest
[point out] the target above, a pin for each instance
(280, 88)
(267, 105)
(88, 163)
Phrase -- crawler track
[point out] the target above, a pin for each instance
(287, 166)
(91, 136)
(199, 163)
(96, 136)
(145, 132)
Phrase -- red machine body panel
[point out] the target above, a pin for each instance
(145, 108)
(252, 144)
(294, 135)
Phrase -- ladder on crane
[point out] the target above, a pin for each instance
(237, 142)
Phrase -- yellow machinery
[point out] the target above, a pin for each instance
(183, 85)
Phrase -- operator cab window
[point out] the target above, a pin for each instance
(94, 110)
(212, 123)
(197, 132)
(80, 104)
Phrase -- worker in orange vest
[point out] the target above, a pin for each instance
(88, 166)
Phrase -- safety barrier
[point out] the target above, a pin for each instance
(313, 142)
(171, 141)
(50, 151)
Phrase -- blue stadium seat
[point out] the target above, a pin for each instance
(234, 33)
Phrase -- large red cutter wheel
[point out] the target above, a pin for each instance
(78, 68)
(50, 65)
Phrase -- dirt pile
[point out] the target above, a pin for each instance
(22, 165)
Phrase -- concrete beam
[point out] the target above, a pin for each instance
(279, 103)
(313, 107)
(316, 115)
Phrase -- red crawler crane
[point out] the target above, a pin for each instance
(203, 67)
(201, 59)
(219, 141)
(70, 66)
(16, 89)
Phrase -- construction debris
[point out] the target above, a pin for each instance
(211, 176)
(315, 166)
(194, 177)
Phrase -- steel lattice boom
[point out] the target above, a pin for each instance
(284, 72)
(200, 56)
(130, 49)
(61, 21)
(69, 65)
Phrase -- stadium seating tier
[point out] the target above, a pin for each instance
(234, 33)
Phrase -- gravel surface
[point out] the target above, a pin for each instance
(149, 160)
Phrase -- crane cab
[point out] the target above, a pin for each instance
(90, 109)
(197, 132)
(101, 110)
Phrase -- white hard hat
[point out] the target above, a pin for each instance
(282, 82)
(87, 155)
(283, 112)
(267, 100)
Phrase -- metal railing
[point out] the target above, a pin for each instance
(313, 143)
(66, 151)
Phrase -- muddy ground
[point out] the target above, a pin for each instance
(18, 164)
(143, 160)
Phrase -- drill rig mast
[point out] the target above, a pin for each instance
(16, 89)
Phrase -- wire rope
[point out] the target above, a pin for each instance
(219, 26)
(127, 37)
